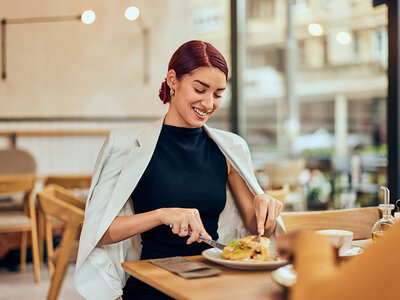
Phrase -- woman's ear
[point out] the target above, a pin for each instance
(172, 81)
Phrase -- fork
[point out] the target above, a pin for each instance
(273, 255)
(257, 239)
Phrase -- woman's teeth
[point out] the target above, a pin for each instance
(200, 112)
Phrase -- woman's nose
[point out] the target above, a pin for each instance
(207, 101)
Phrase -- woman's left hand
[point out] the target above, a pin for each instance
(267, 210)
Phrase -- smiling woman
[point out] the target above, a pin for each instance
(196, 78)
(155, 184)
(196, 96)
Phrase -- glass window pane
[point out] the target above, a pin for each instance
(317, 93)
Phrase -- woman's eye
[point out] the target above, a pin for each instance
(198, 91)
(217, 96)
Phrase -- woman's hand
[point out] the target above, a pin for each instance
(184, 221)
(267, 210)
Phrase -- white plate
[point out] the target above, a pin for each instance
(285, 276)
(214, 255)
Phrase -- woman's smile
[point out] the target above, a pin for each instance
(199, 113)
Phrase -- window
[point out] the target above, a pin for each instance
(337, 92)
(261, 9)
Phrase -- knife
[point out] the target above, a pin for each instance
(212, 243)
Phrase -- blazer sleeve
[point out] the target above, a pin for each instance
(101, 160)
(88, 275)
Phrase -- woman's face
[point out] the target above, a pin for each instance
(197, 96)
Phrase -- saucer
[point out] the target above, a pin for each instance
(285, 276)
(352, 251)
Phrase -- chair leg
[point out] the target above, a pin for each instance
(41, 224)
(70, 234)
(49, 245)
(24, 242)
(35, 252)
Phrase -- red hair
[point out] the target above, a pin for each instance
(190, 56)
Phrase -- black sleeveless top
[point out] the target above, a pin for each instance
(187, 170)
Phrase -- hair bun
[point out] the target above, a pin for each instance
(164, 92)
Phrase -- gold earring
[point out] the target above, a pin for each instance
(171, 92)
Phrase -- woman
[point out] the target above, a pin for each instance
(156, 184)
(370, 276)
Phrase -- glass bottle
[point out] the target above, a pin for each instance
(386, 221)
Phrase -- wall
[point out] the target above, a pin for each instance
(73, 69)
(69, 69)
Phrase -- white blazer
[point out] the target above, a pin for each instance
(119, 166)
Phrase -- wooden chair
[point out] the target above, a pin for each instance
(358, 220)
(70, 181)
(64, 205)
(23, 220)
(79, 184)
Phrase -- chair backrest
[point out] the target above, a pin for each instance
(16, 183)
(61, 203)
(16, 161)
(358, 220)
(70, 181)
(24, 184)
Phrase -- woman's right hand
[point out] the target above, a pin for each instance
(184, 221)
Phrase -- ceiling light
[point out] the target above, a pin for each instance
(132, 13)
(88, 17)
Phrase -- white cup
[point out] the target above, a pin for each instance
(341, 239)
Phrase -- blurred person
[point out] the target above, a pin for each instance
(154, 185)
(372, 275)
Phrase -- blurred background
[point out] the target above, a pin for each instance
(310, 97)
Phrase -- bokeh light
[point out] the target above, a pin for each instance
(315, 29)
(132, 13)
(343, 38)
(88, 17)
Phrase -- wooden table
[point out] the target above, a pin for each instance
(231, 284)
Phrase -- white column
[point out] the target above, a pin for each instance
(341, 125)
